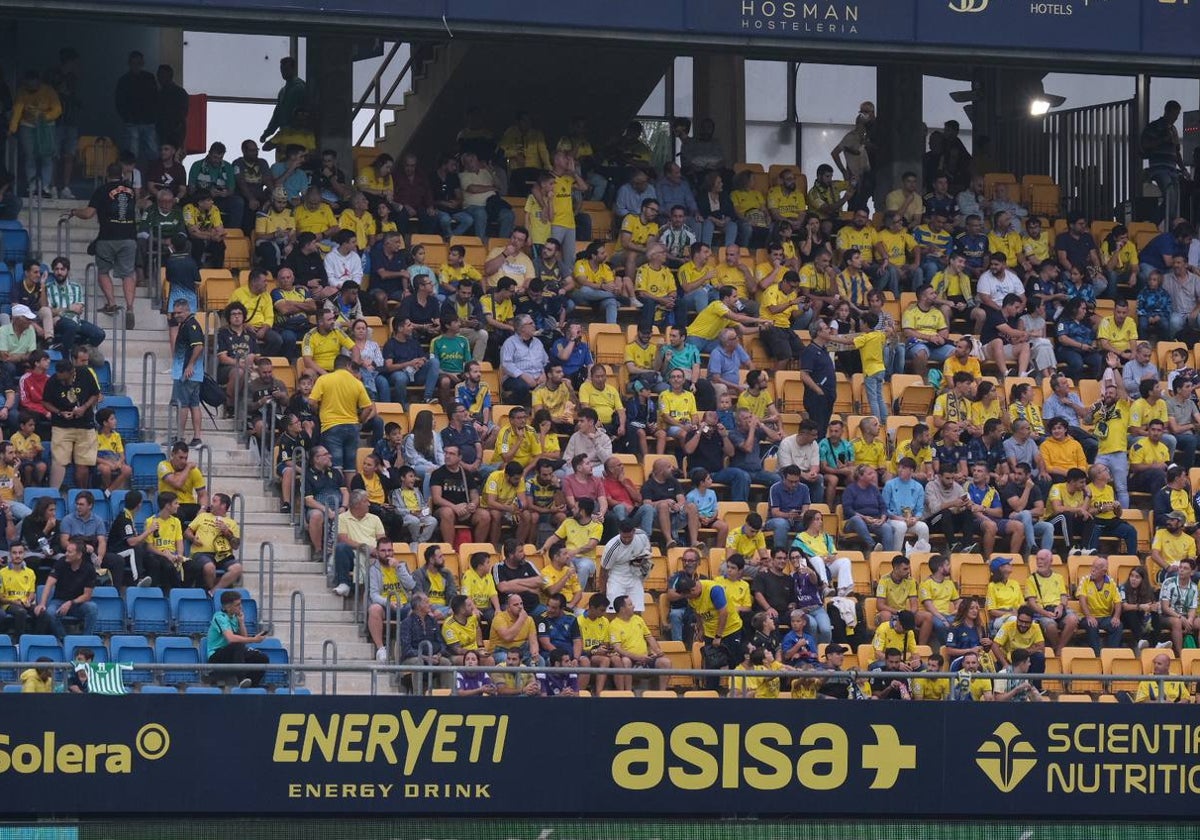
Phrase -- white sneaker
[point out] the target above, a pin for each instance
(1075, 552)
(1163, 645)
(342, 589)
(144, 582)
(878, 547)
(245, 683)
(1088, 552)
(1143, 644)
(381, 655)
(66, 193)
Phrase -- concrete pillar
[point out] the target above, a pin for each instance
(331, 93)
(719, 92)
(900, 128)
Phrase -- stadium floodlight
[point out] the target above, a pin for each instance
(1038, 107)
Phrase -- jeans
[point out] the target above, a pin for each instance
(343, 564)
(708, 230)
(455, 224)
(871, 534)
(895, 357)
(1185, 449)
(873, 385)
(585, 568)
(889, 280)
(780, 527)
(738, 481)
(377, 386)
(900, 530)
(1112, 628)
(426, 375)
(87, 613)
(704, 345)
(1179, 320)
(1167, 180)
(680, 619)
(643, 516)
(822, 627)
(40, 168)
(142, 140)
(233, 209)
(342, 443)
(1118, 465)
(1076, 361)
(589, 296)
(522, 391)
(1160, 330)
(505, 221)
(70, 333)
(941, 627)
(1113, 528)
(1039, 533)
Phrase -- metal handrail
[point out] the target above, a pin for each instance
(204, 462)
(210, 335)
(241, 406)
(266, 568)
(237, 502)
(91, 289)
(149, 383)
(154, 265)
(121, 341)
(36, 207)
(296, 669)
(295, 675)
(300, 466)
(63, 238)
(381, 104)
(266, 446)
(362, 575)
(329, 655)
(374, 84)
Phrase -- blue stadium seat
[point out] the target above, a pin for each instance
(191, 610)
(114, 401)
(176, 650)
(112, 609)
(73, 643)
(32, 494)
(276, 655)
(148, 610)
(202, 689)
(13, 689)
(135, 650)
(99, 501)
(249, 607)
(33, 645)
(259, 690)
(14, 239)
(129, 423)
(8, 653)
(296, 691)
(158, 689)
(104, 377)
(144, 458)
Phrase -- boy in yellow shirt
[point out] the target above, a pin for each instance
(28, 444)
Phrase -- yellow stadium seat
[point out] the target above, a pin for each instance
(1074, 698)
(1190, 661)
(700, 694)
(612, 692)
(216, 287)
(789, 390)
(237, 249)
(680, 659)
(660, 695)
(608, 343)
(991, 179)
(1121, 661)
(282, 370)
(734, 513)
(915, 397)
(1081, 661)
(1107, 698)
(393, 413)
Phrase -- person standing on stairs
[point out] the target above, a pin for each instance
(187, 368)
(114, 204)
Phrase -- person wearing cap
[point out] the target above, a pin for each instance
(1004, 595)
(1171, 543)
(838, 687)
(1046, 593)
(898, 633)
(17, 339)
(274, 233)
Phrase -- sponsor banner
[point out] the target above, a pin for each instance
(400, 756)
(859, 20)
(1169, 27)
(659, 16)
(1057, 25)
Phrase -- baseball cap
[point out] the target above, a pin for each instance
(998, 562)
(20, 310)
(842, 649)
(1176, 515)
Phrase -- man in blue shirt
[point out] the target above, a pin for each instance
(787, 500)
(725, 361)
(820, 379)
(904, 501)
(1162, 249)
(406, 362)
(973, 244)
(558, 629)
(746, 434)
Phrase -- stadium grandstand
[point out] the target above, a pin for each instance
(366, 380)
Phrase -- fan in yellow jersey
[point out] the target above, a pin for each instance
(165, 542)
(479, 585)
(18, 587)
(315, 216)
(1046, 593)
(598, 650)
(1167, 691)
(786, 200)
(1004, 595)
(1004, 239)
(896, 253)
(897, 633)
(896, 591)
(634, 644)
(462, 633)
(1021, 632)
(638, 232)
(655, 287)
(763, 687)
(722, 625)
(939, 599)
(1100, 601)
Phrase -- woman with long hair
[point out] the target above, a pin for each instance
(968, 633)
(717, 211)
(423, 447)
(1140, 608)
(367, 355)
(1022, 407)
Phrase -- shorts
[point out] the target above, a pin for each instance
(73, 446)
(223, 374)
(67, 138)
(185, 393)
(116, 257)
(1046, 621)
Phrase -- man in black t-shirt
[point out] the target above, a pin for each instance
(517, 576)
(187, 368)
(1002, 336)
(70, 397)
(454, 496)
(324, 490)
(1023, 502)
(663, 490)
(68, 592)
(114, 204)
(774, 590)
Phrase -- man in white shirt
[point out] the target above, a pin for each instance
(994, 285)
(523, 362)
(801, 449)
(624, 564)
